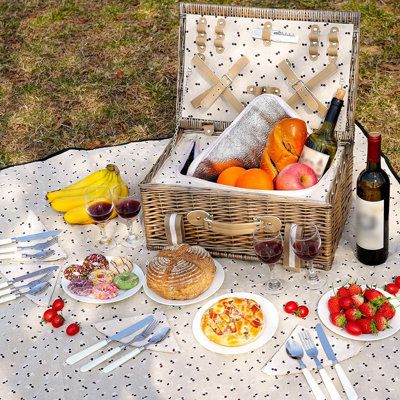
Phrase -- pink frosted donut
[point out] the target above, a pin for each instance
(101, 276)
(81, 287)
(105, 291)
(96, 261)
(75, 272)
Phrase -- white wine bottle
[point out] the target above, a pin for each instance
(320, 147)
(372, 207)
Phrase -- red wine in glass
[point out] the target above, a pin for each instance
(100, 211)
(307, 249)
(128, 208)
(269, 251)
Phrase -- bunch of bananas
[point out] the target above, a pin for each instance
(71, 199)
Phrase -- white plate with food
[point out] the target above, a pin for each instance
(215, 285)
(235, 323)
(86, 292)
(324, 315)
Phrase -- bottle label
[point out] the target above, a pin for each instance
(369, 224)
(314, 159)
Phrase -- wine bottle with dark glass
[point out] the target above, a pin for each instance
(372, 207)
(320, 147)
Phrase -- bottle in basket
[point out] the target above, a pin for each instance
(320, 147)
(372, 207)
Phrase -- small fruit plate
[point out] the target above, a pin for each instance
(215, 285)
(271, 321)
(122, 294)
(324, 315)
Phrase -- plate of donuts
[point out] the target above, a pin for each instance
(100, 279)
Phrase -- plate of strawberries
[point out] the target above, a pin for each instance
(360, 312)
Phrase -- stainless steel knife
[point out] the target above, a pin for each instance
(37, 289)
(27, 238)
(41, 271)
(45, 278)
(347, 386)
(125, 332)
(37, 246)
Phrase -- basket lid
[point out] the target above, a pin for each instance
(290, 43)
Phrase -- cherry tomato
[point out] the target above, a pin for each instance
(49, 315)
(353, 328)
(58, 304)
(57, 321)
(291, 307)
(302, 311)
(72, 329)
(397, 281)
(392, 288)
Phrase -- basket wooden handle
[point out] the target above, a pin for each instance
(203, 219)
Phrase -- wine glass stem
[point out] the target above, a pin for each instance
(103, 234)
(273, 281)
(131, 234)
(312, 274)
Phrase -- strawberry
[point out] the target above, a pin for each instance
(346, 302)
(386, 310)
(358, 299)
(352, 314)
(338, 319)
(368, 309)
(374, 295)
(367, 325)
(343, 292)
(333, 305)
(381, 323)
(354, 289)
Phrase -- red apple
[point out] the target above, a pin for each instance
(296, 176)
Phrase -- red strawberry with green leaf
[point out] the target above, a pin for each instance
(386, 310)
(367, 309)
(358, 299)
(343, 292)
(381, 323)
(367, 325)
(354, 289)
(338, 319)
(352, 314)
(333, 304)
(375, 296)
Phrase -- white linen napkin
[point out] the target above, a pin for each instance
(282, 364)
(168, 345)
(32, 224)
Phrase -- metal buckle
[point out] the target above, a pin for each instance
(228, 78)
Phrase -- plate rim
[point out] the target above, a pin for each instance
(89, 300)
(260, 341)
(363, 337)
(182, 303)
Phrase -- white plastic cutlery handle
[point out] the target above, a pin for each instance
(5, 241)
(100, 359)
(333, 393)
(5, 291)
(8, 298)
(4, 284)
(122, 360)
(8, 249)
(319, 395)
(347, 386)
(11, 256)
(86, 352)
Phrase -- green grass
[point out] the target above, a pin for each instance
(86, 73)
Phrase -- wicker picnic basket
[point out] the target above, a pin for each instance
(227, 219)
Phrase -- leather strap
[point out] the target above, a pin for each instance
(314, 42)
(224, 82)
(220, 36)
(174, 230)
(227, 94)
(201, 35)
(266, 33)
(289, 260)
(333, 44)
(257, 90)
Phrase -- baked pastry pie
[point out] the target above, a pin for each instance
(233, 321)
(180, 272)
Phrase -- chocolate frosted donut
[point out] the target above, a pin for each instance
(96, 261)
(81, 287)
(75, 272)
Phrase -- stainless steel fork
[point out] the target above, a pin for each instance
(37, 246)
(138, 338)
(40, 255)
(312, 352)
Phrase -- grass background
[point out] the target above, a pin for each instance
(88, 73)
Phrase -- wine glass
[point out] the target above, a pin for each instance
(127, 207)
(305, 241)
(269, 248)
(99, 206)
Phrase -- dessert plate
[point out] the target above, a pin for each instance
(122, 294)
(271, 321)
(323, 314)
(215, 285)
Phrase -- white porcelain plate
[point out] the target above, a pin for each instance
(324, 315)
(215, 285)
(122, 294)
(271, 321)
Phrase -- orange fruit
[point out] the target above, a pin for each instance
(255, 178)
(230, 175)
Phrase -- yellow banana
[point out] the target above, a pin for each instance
(78, 215)
(95, 179)
(124, 187)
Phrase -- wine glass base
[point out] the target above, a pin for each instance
(130, 243)
(316, 283)
(104, 246)
(277, 287)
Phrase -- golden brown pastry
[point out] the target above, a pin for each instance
(180, 272)
(119, 265)
(233, 321)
